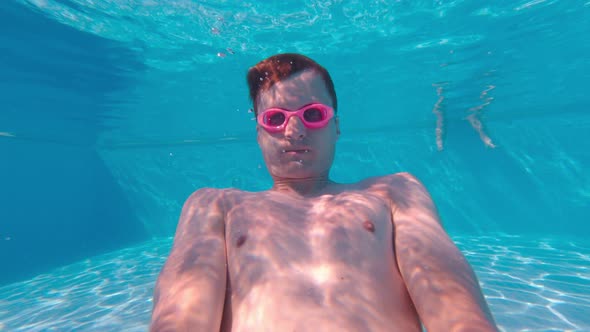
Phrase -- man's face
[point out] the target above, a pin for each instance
(298, 152)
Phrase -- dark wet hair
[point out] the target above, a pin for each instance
(280, 67)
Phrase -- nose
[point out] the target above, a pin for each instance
(295, 129)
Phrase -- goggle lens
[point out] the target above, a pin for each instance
(275, 119)
(313, 115)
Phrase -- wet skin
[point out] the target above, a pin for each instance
(313, 255)
(325, 263)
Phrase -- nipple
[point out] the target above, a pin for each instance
(241, 240)
(368, 225)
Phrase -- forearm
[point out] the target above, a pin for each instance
(190, 291)
(189, 301)
(195, 308)
(444, 288)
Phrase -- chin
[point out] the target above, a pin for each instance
(293, 174)
(297, 172)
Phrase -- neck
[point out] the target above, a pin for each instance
(302, 187)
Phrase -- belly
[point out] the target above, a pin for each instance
(301, 303)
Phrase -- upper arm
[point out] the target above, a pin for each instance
(440, 281)
(190, 289)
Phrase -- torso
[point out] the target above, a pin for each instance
(325, 263)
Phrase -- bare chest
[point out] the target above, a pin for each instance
(312, 262)
(321, 239)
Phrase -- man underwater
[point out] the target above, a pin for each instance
(311, 254)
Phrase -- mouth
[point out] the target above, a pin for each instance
(295, 151)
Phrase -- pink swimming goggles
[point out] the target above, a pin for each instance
(313, 116)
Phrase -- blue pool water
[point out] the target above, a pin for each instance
(110, 117)
(531, 284)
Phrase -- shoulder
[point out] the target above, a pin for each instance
(406, 193)
(213, 196)
(399, 186)
(215, 199)
(408, 190)
(398, 180)
(204, 196)
(401, 180)
(205, 206)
